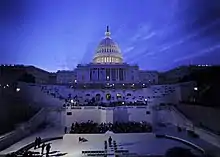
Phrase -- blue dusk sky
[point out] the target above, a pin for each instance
(155, 34)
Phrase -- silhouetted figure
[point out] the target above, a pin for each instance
(65, 130)
(25, 154)
(35, 142)
(48, 149)
(110, 141)
(82, 139)
(179, 128)
(42, 148)
(39, 142)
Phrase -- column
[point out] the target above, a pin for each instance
(110, 74)
(116, 70)
(90, 74)
(98, 73)
(104, 74)
(124, 74)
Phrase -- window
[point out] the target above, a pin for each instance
(118, 95)
(129, 94)
(69, 113)
(147, 112)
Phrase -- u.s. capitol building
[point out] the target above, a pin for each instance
(107, 69)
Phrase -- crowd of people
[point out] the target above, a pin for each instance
(38, 144)
(90, 102)
(118, 127)
(117, 103)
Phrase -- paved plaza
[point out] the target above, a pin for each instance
(141, 143)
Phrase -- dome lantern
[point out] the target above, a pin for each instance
(107, 33)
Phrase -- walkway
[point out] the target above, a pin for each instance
(45, 133)
(172, 131)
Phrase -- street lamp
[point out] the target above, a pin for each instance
(195, 88)
(72, 101)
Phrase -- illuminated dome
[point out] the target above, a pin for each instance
(108, 51)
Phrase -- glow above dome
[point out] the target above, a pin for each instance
(108, 51)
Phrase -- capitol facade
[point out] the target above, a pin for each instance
(107, 70)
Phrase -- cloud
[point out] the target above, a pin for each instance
(66, 62)
(137, 58)
(178, 42)
(128, 49)
(194, 34)
(120, 31)
(142, 31)
(166, 47)
(149, 36)
(200, 53)
(135, 37)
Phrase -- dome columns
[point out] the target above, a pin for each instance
(108, 51)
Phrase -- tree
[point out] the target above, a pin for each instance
(26, 77)
(179, 152)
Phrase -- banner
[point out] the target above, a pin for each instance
(141, 107)
(76, 107)
(90, 107)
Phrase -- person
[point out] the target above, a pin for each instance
(25, 154)
(110, 141)
(65, 130)
(80, 139)
(39, 142)
(42, 148)
(35, 142)
(48, 149)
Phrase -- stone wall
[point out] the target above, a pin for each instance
(203, 134)
(206, 117)
(23, 130)
(107, 114)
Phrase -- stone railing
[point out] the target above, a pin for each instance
(104, 108)
(23, 130)
(203, 134)
(208, 136)
(198, 148)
